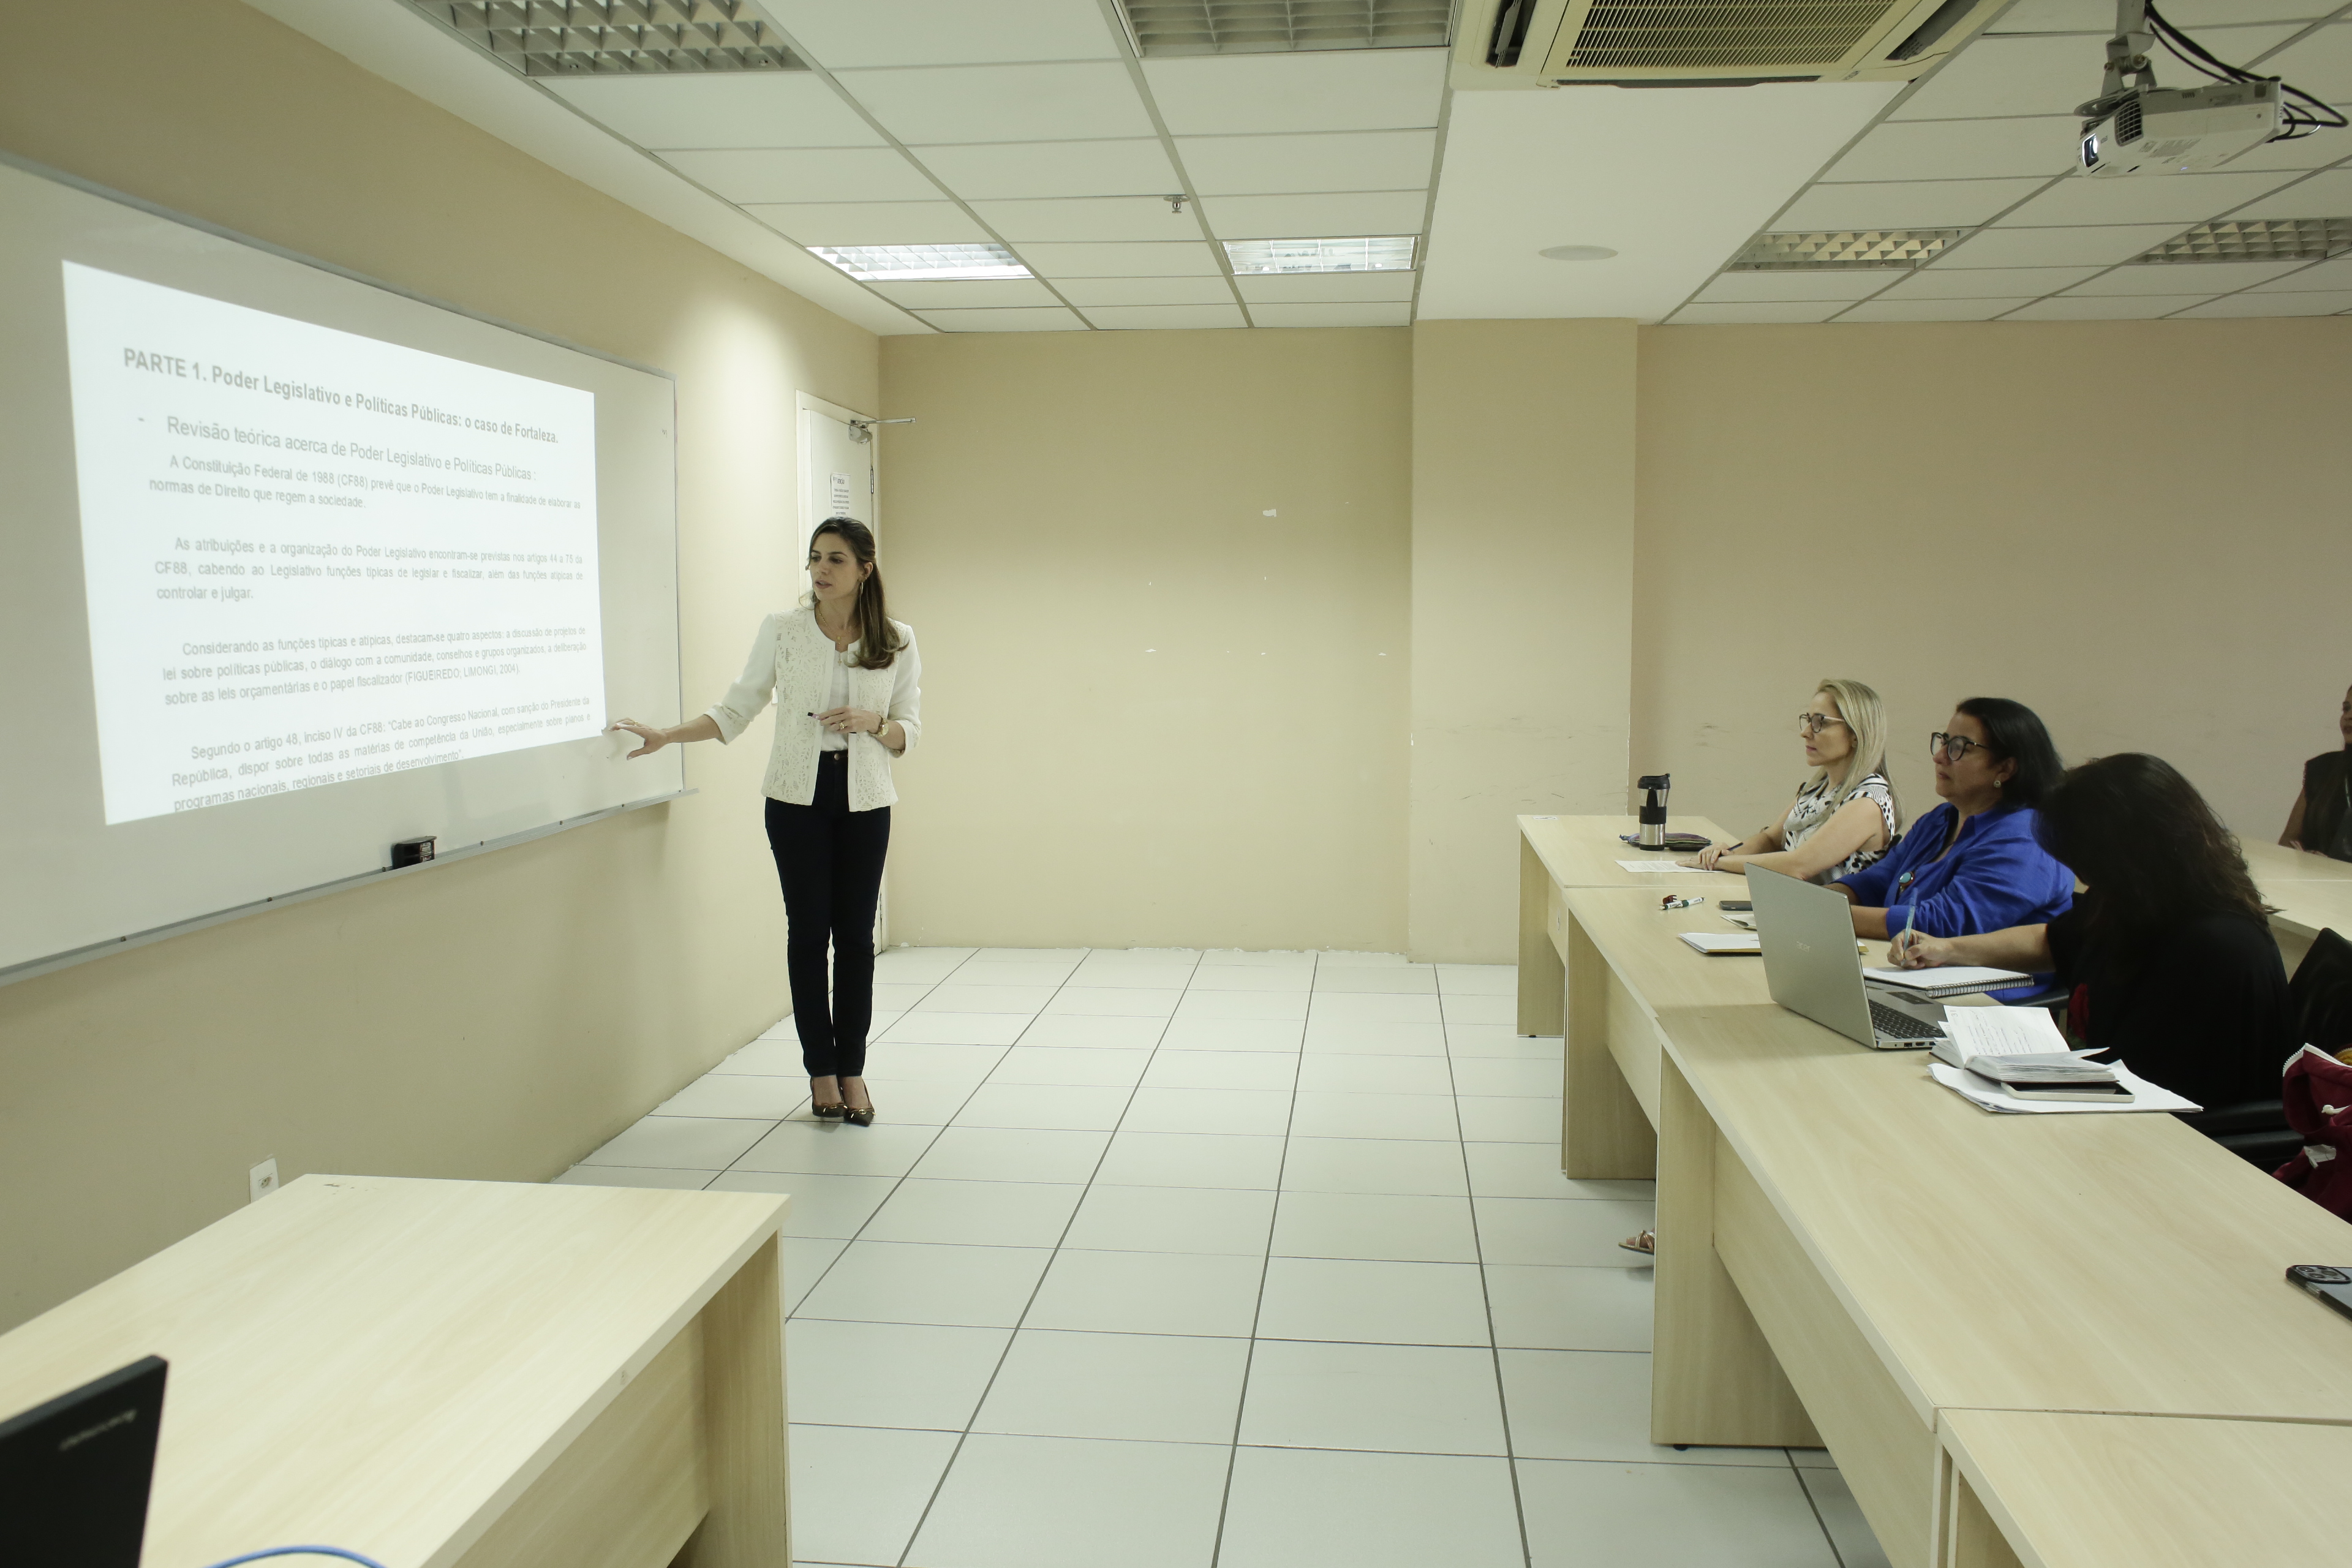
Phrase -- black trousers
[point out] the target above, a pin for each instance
(829, 859)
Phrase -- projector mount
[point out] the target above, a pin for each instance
(2139, 26)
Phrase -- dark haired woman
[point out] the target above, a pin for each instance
(2169, 953)
(2321, 821)
(1971, 864)
(845, 681)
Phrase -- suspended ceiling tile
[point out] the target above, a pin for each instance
(1345, 161)
(2327, 194)
(841, 33)
(2055, 246)
(1339, 89)
(1739, 288)
(2005, 76)
(1757, 311)
(1091, 218)
(744, 109)
(1314, 217)
(2041, 145)
(830, 174)
(1372, 315)
(2106, 306)
(1921, 204)
(1018, 320)
(1149, 317)
(2186, 278)
(1085, 293)
(1003, 103)
(2320, 65)
(2010, 283)
(2142, 198)
(976, 294)
(869, 222)
(2276, 305)
(1166, 258)
(1886, 309)
(2098, 17)
(1676, 180)
(2335, 273)
(1016, 170)
(1325, 288)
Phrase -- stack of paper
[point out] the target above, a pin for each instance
(1661, 863)
(1718, 943)
(2022, 1044)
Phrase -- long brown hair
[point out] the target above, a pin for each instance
(878, 640)
(2146, 844)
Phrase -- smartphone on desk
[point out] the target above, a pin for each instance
(1737, 906)
(2333, 1286)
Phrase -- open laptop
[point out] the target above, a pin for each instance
(1806, 934)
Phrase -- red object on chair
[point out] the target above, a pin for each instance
(2318, 1095)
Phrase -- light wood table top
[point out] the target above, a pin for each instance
(2113, 1262)
(1639, 940)
(1583, 852)
(2132, 1491)
(384, 1364)
(2274, 863)
(2306, 909)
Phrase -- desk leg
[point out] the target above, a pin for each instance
(749, 1524)
(1604, 1133)
(1713, 1378)
(1539, 964)
(1970, 1537)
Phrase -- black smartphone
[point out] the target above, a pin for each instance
(2333, 1286)
(1737, 906)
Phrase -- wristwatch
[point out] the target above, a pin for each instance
(881, 723)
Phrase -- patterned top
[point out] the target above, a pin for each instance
(1815, 804)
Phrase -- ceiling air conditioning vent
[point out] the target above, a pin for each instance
(1708, 43)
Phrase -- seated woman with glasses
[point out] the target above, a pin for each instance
(1971, 864)
(1845, 816)
(2169, 956)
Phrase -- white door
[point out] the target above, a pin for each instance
(837, 480)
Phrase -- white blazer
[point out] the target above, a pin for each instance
(793, 662)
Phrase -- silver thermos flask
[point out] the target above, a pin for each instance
(1653, 817)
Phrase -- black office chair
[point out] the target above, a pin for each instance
(2321, 992)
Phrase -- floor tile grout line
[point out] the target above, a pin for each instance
(1013, 1337)
(1265, 1267)
(1836, 1555)
(1486, 1303)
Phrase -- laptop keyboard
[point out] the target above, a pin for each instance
(1895, 1025)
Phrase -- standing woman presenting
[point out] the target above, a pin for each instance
(845, 681)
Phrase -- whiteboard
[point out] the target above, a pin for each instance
(78, 884)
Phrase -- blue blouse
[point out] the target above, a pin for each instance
(1996, 875)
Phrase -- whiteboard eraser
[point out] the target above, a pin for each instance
(412, 852)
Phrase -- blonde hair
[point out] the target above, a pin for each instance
(1865, 720)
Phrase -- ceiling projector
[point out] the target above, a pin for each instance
(2178, 130)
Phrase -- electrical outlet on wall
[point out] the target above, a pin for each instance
(261, 1181)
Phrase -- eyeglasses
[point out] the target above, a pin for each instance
(1814, 723)
(1953, 748)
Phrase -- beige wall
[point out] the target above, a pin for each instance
(2140, 530)
(1153, 715)
(500, 1017)
(1522, 579)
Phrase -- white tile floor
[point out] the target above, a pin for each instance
(1251, 1259)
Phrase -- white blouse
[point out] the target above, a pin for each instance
(797, 666)
(1815, 804)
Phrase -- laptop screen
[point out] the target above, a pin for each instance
(74, 1472)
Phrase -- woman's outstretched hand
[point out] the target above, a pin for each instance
(655, 740)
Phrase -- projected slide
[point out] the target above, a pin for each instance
(312, 557)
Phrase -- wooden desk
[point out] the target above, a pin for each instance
(453, 1375)
(1556, 853)
(2126, 1491)
(2274, 863)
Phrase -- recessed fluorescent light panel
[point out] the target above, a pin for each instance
(1373, 253)
(616, 37)
(1164, 27)
(2258, 239)
(1846, 250)
(922, 263)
